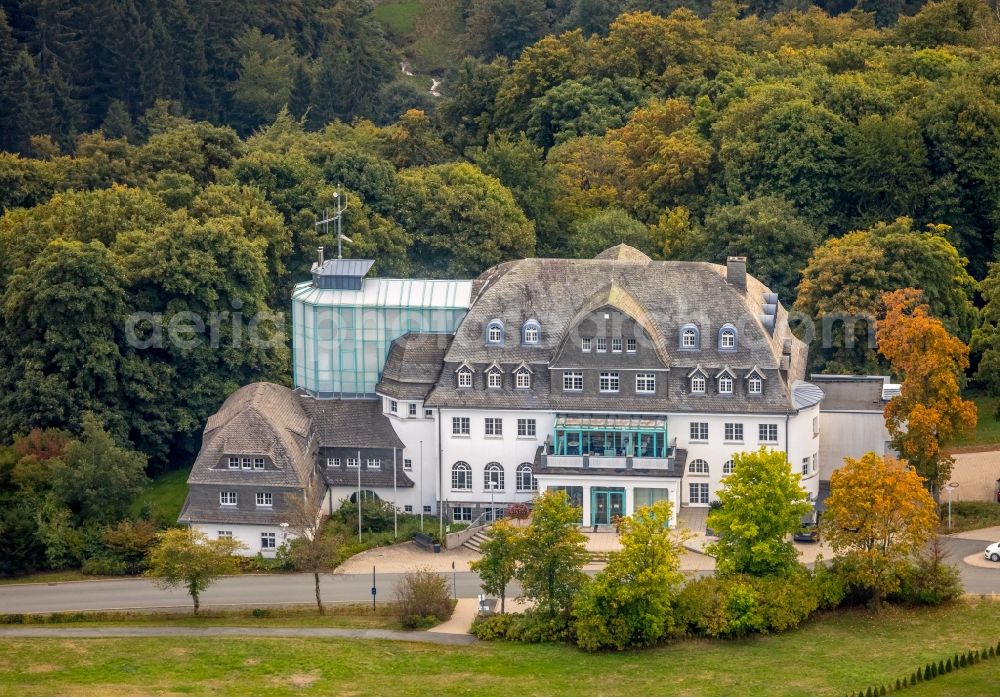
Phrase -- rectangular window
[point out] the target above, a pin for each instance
(645, 383)
(602, 344)
(465, 378)
(268, 540)
(699, 430)
(585, 345)
(572, 382)
(234, 463)
(227, 498)
(353, 463)
(427, 509)
(493, 378)
(246, 463)
(460, 425)
(630, 345)
(428, 413)
(258, 463)
(805, 466)
(412, 410)
(526, 428)
(698, 384)
(264, 498)
(373, 463)
(815, 461)
(393, 405)
(609, 382)
(462, 514)
(407, 464)
(407, 508)
(699, 492)
(333, 462)
(523, 380)
(734, 433)
(616, 346)
(225, 534)
(768, 433)
(494, 427)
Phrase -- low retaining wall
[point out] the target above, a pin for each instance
(453, 540)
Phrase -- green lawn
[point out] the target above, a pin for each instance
(165, 496)
(400, 17)
(831, 656)
(987, 427)
(970, 515)
(353, 615)
(978, 681)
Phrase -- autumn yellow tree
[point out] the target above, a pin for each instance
(878, 515)
(929, 409)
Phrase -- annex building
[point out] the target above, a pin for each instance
(619, 380)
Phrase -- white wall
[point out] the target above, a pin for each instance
(249, 535)
(849, 434)
(412, 431)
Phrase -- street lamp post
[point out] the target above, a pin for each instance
(951, 487)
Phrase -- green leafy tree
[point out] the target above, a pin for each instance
(498, 563)
(986, 337)
(604, 229)
(317, 548)
(552, 553)
(188, 559)
(101, 478)
(762, 504)
(630, 603)
(462, 221)
(583, 107)
(266, 76)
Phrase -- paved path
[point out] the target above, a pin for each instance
(434, 637)
(461, 620)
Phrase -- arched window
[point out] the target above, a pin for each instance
(689, 337)
(727, 467)
(494, 378)
(366, 495)
(493, 477)
(755, 385)
(525, 479)
(698, 467)
(494, 332)
(531, 332)
(698, 383)
(522, 379)
(465, 378)
(727, 338)
(461, 476)
(726, 384)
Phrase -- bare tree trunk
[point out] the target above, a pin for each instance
(319, 601)
(503, 595)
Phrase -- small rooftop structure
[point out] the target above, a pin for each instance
(340, 274)
(857, 393)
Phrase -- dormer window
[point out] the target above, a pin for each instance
(755, 385)
(602, 344)
(585, 344)
(494, 333)
(727, 338)
(698, 380)
(258, 463)
(494, 378)
(522, 379)
(234, 463)
(689, 337)
(725, 385)
(465, 378)
(531, 332)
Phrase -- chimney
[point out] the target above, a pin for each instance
(319, 255)
(736, 272)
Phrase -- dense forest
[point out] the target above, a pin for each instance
(168, 159)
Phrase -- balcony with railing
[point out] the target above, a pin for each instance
(609, 444)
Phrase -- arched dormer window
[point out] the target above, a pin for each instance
(461, 476)
(727, 338)
(494, 333)
(531, 332)
(697, 380)
(690, 337)
(494, 376)
(464, 376)
(755, 382)
(725, 380)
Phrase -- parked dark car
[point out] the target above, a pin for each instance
(807, 533)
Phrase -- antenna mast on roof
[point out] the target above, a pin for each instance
(336, 218)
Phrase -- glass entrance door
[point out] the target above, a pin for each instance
(606, 505)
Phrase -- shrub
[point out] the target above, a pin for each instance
(259, 613)
(931, 580)
(530, 627)
(830, 587)
(376, 515)
(518, 511)
(787, 601)
(103, 566)
(423, 599)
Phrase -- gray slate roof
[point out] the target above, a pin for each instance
(258, 419)
(350, 423)
(370, 478)
(662, 296)
(414, 365)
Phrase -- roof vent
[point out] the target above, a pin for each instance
(736, 272)
(768, 322)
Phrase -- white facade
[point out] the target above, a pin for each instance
(850, 434)
(250, 536)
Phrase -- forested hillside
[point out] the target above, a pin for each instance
(170, 158)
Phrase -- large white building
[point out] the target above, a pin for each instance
(618, 379)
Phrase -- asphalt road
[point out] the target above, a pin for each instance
(287, 589)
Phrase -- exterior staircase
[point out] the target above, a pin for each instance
(476, 540)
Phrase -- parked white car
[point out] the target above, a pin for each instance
(993, 552)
